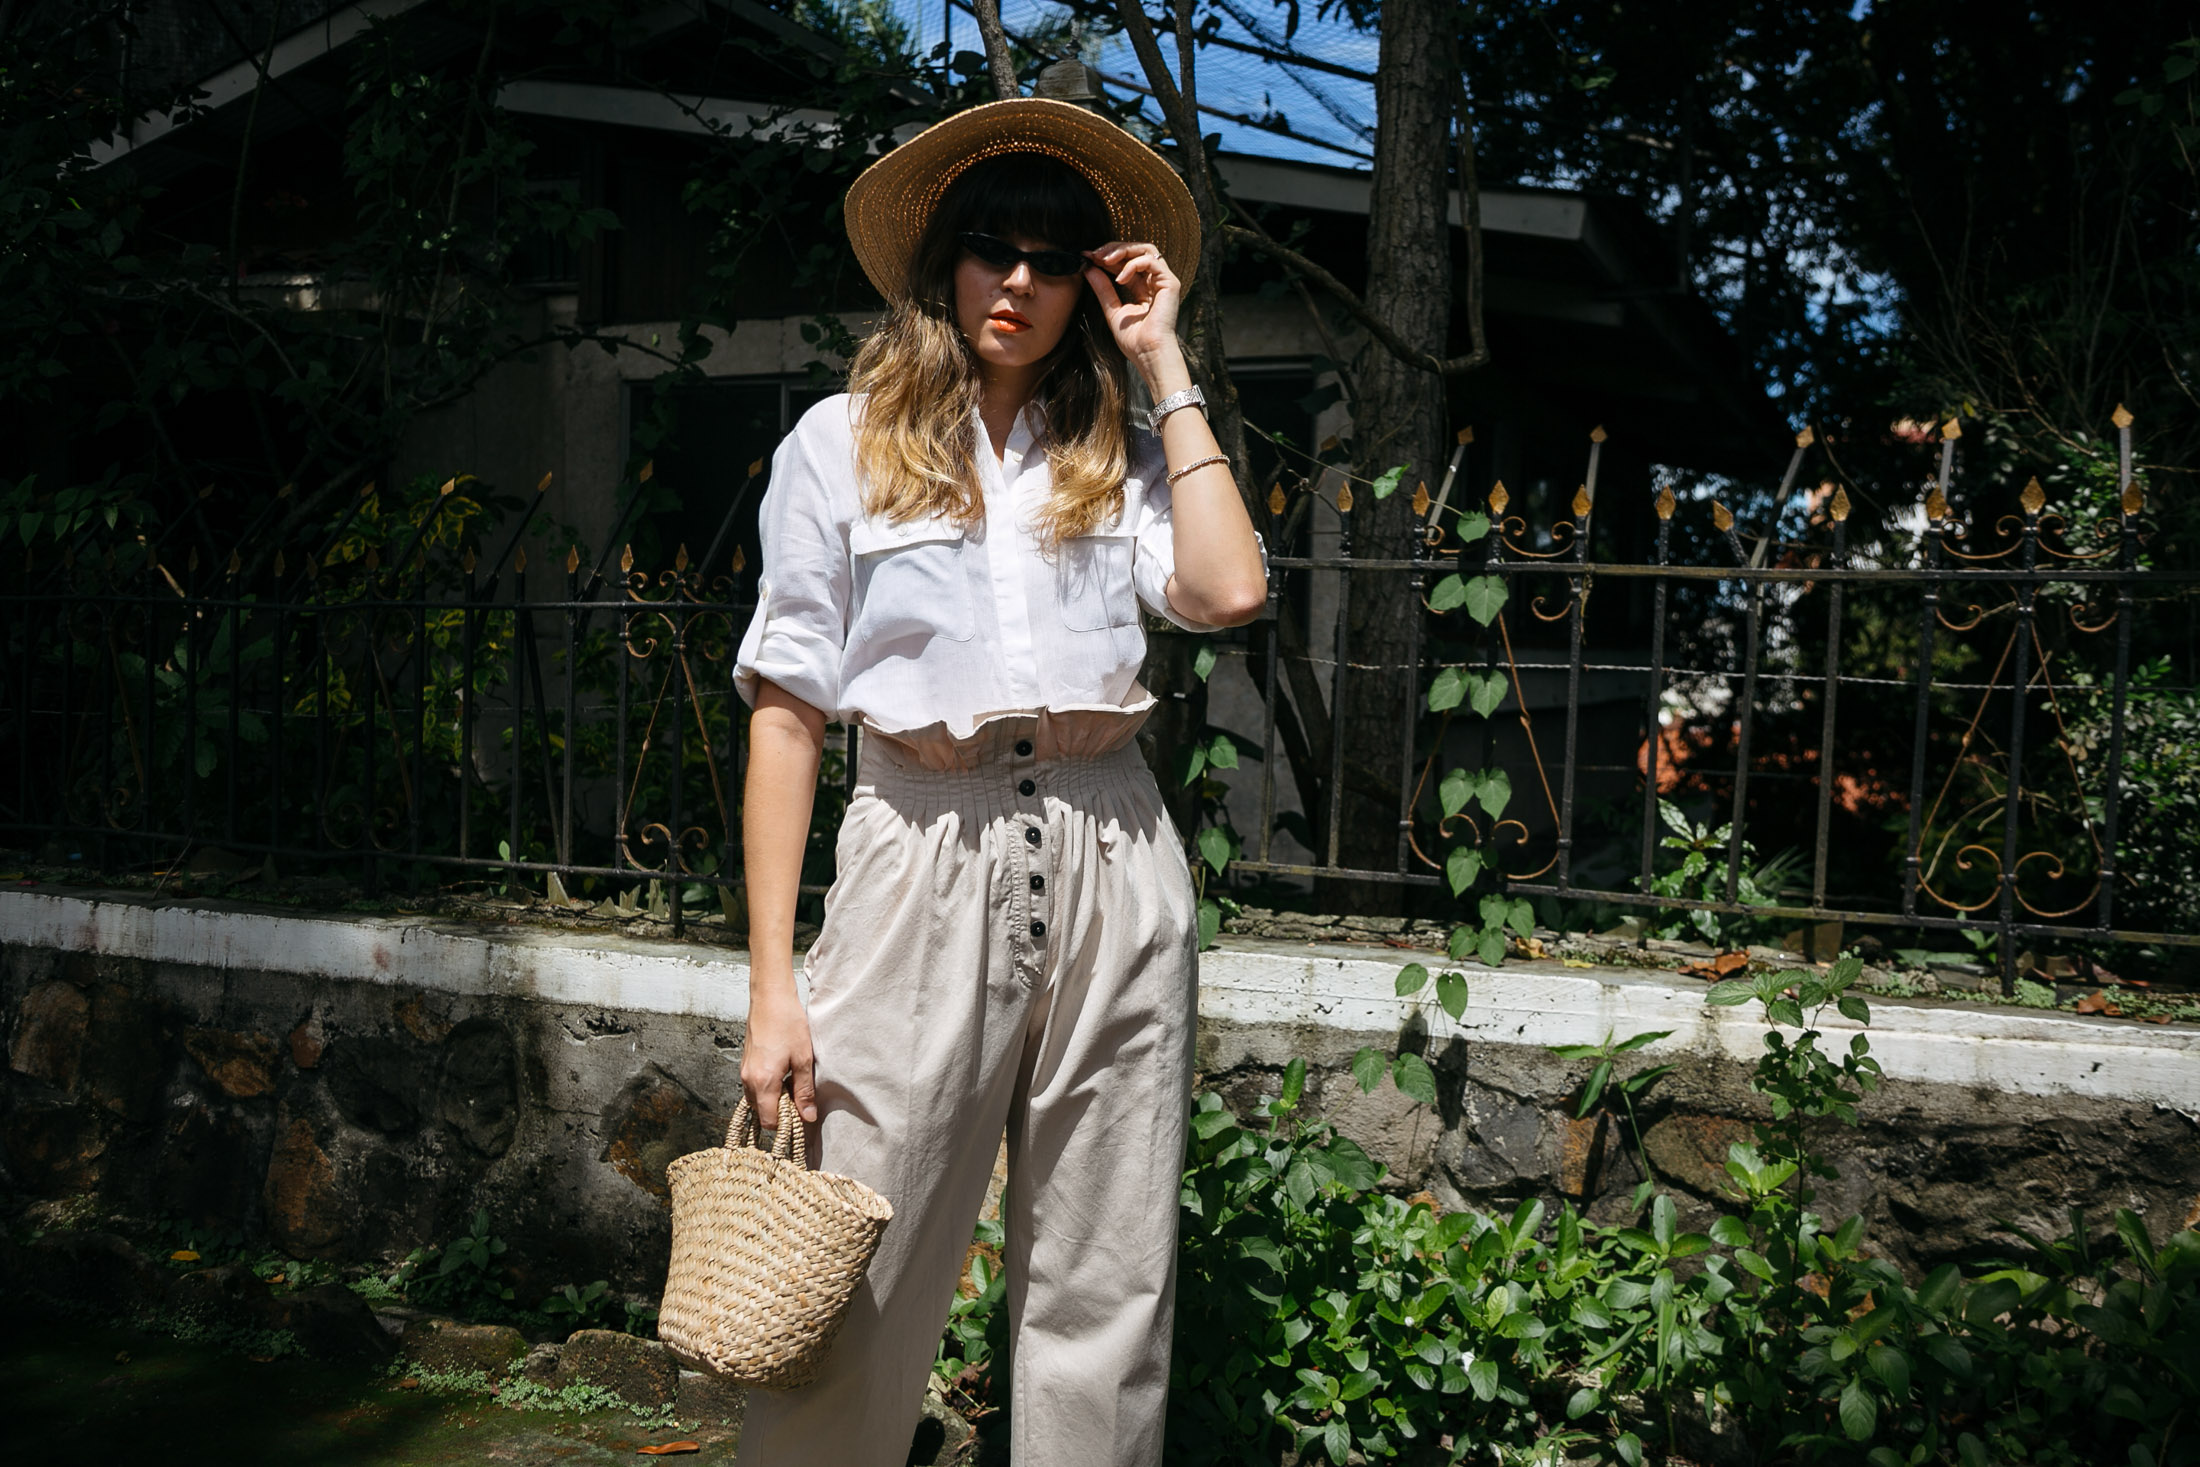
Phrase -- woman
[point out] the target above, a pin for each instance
(956, 555)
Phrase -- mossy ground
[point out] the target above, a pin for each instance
(77, 1391)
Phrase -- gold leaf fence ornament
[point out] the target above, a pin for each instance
(1499, 499)
(2034, 498)
(544, 482)
(1344, 497)
(1951, 430)
(1806, 438)
(740, 560)
(466, 562)
(1582, 502)
(2134, 499)
(1936, 504)
(2122, 416)
(626, 558)
(1275, 497)
(1840, 505)
(1596, 434)
(572, 559)
(1420, 499)
(1665, 502)
(1721, 516)
(680, 557)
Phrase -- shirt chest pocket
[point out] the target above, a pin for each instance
(910, 581)
(1093, 582)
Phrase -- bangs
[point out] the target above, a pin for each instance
(1028, 194)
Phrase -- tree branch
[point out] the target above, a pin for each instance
(997, 58)
(1253, 235)
(1470, 191)
(244, 152)
(1182, 118)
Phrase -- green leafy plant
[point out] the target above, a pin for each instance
(1319, 1315)
(1701, 876)
(462, 1276)
(977, 1328)
(574, 1307)
(1599, 1087)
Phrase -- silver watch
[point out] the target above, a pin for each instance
(1189, 397)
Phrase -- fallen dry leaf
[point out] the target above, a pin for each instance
(1577, 962)
(1718, 967)
(409, 1383)
(2099, 1003)
(183, 1255)
(666, 1449)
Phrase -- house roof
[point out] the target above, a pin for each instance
(1585, 284)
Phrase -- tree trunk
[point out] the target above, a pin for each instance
(1400, 419)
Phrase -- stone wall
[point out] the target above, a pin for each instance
(352, 1088)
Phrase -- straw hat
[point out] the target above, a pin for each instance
(889, 203)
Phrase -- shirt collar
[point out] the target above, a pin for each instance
(1023, 438)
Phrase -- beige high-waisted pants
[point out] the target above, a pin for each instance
(1007, 945)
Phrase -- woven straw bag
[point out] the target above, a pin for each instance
(765, 1255)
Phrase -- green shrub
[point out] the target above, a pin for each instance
(1320, 1315)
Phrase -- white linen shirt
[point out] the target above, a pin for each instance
(926, 630)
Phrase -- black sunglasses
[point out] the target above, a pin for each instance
(1002, 255)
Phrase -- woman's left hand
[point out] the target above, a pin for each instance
(1139, 295)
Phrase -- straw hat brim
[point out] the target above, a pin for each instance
(888, 204)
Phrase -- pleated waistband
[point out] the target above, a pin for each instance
(1006, 772)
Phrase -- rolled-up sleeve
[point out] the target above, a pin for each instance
(801, 624)
(1155, 530)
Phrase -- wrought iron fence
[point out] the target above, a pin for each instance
(400, 718)
(2008, 828)
(410, 710)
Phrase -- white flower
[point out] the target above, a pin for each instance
(1466, 1360)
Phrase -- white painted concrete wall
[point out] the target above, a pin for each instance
(1252, 995)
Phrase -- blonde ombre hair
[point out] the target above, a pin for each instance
(917, 438)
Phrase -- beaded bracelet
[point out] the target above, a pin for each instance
(1197, 463)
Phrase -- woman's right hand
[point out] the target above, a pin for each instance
(778, 1045)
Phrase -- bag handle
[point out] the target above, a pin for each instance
(788, 1141)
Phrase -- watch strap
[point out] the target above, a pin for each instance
(1189, 397)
